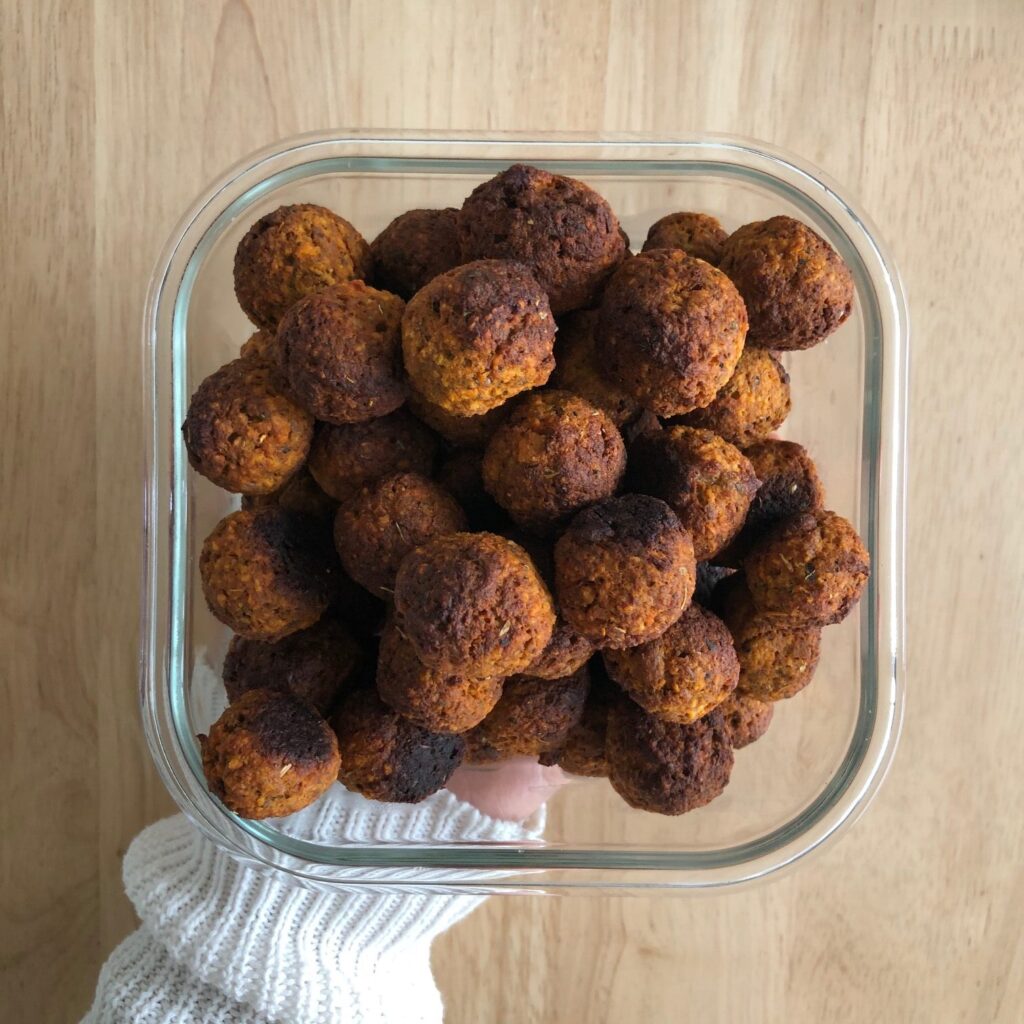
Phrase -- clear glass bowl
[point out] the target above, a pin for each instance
(828, 749)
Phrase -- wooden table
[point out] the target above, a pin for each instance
(116, 113)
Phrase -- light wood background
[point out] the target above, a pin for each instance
(114, 114)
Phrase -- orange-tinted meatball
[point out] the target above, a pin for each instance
(293, 252)
(341, 351)
(414, 248)
(477, 335)
(624, 571)
(796, 287)
(558, 226)
(746, 718)
(269, 754)
(670, 330)
(697, 234)
(243, 432)
(265, 573)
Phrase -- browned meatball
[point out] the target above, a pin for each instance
(670, 330)
(583, 751)
(624, 571)
(261, 345)
(377, 528)
(460, 431)
(243, 432)
(554, 455)
(796, 287)
(341, 350)
(746, 718)
(578, 369)
(667, 767)
(386, 757)
(682, 674)
(265, 574)
(293, 252)
(696, 234)
(474, 604)
(414, 248)
(558, 226)
(776, 661)
(462, 474)
(269, 754)
(343, 459)
(752, 403)
(810, 570)
(532, 717)
(707, 481)
(300, 494)
(315, 664)
(477, 335)
(436, 700)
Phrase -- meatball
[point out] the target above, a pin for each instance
(667, 767)
(293, 252)
(796, 287)
(809, 570)
(684, 673)
(343, 459)
(583, 750)
(474, 604)
(697, 234)
(624, 571)
(433, 699)
(459, 431)
(315, 664)
(341, 352)
(300, 494)
(776, 661)
(265, 574)
(269, 754)
(559, 227)
(578, 369)
(377, 528)
(262, 346)
(477, 335)
(670, 330)
(554, 455)
(462, 475)
(746, 718)
(752, 403)
(707, 481)
(243, 432)
(385, 757)
(533, 716)
(414, 248)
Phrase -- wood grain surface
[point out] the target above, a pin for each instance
(114, 114)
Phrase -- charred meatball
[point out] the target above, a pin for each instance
(474, 604)
(682, 674)
(670, 330)
(343, 459)
(341, 351)
(796, 287)
(667, 767)
(477, 335)
(559, 227)
(386, 757)
(809, 570)
(578, 369)
(754, 401)
(707, 481)
(269, 754)
(265, 573)
(433, 699)
(532, 717)
(696, 234)
(459, 431)
(377, 528)
(624, 571)
(315, 664)
(414, 248)
(243, 432)
(554, 455)
(293, 252)
(746, 718)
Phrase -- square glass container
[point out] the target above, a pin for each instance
(828, 748)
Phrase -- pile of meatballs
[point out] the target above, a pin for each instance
(510, 490)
